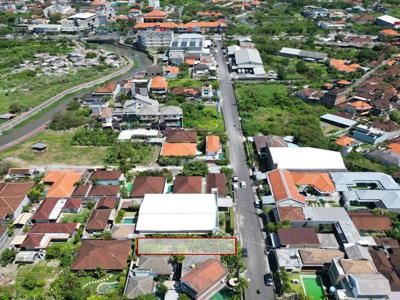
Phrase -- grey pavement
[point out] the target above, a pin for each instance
(248, 222)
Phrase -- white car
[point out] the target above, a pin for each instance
(235, 179)
(243, 184)
(235, 186)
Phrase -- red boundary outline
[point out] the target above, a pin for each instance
(185, 238)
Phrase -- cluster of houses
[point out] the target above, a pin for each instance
(335, 230)
(153, 204)
(61, 65)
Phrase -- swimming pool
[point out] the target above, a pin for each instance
(129, 220)
(223, 294)
(313, 287)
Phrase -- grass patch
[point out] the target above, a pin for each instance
(59, 151)
(91, 282)
(202, 117)
(80, 217)
(267, 108)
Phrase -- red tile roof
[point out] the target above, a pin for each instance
(147, 185)
(81, 190)
(107, 254)
(370, 222)
(188, 185)
(68, 228)
(158, 82)
(205, 275)
(155, 14)
(105, 175)
(98, 220)
(180, 136)
(105, 203)
(73, 203)
(104, 190)
(217, 180)
(109, 88)
(298, 236)
(44, 210)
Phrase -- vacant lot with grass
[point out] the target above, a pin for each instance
(59, 151)
(200, 117)
(27, 87)
(267, 108)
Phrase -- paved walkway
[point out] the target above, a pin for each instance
(97, 281)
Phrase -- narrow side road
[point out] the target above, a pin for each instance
(250, 231)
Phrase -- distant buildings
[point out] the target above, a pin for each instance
(388, 21)
(303, 54)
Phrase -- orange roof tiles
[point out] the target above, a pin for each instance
(391, 62)
(344, 141)
(166, 25)
(155, 14)
(190, 61)
(343, 82)
(321, 181)
(341, 66)
(159, 82)
(395, 147)
(204, 24)
(360, 105)
(390, 32)
(106, 89)
(62, 183)
(212, 143)
(179, 149)
(99, 3)
(283, 186)
(172, 70)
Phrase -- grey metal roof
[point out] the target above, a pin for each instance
(385, 156)
(369, 285)
(343, 180)
(248, 56)
(303, 53)
(338, 120)
(171, 110)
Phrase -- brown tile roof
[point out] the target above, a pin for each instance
(291, 213)
(105, 175)
(298, 236)
(205, 275)
(387, 242)
(81, 190)
(357, 266)
(212, 143)
(179, 149)
(73, 203)
(385, 267)
(19, 171)
(104, 190)
(180, 136)
(45, 208)
(188, 185)
(107, 254)
(11, 196)
(62, 183)
(370, 222)
(283, 186)
(106, 202)
(32, 241)
(216, 180)
(319, 256)
(98, 219)
(147, 185)
(68, 228)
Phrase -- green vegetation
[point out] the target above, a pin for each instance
(267, 108)
(126, 155)
(59, 150)
(64, 252)
(357, 162)
(195, 168)
(80, 217)
(203, 118)
(24, 87)
(70, 119)
(94, 137)
(7, 256)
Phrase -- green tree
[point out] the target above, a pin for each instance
(146, 297)
(30, 283)
(55, 18)
(16, 108)
(162, 288)
(195, 168)
(183, 297)
(67, 286)
(106, 235)
(7, 256)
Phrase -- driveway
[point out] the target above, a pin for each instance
(248, 222)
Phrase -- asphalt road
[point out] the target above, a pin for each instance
(248, 222)
(26, 131)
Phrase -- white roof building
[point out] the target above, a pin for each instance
(174, 213)
(306, 159)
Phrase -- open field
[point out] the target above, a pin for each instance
(202, 117)
(59, 151)
(28, 89)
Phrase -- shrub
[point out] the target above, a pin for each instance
(7, 256)
(94, 137)
(195, 168)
